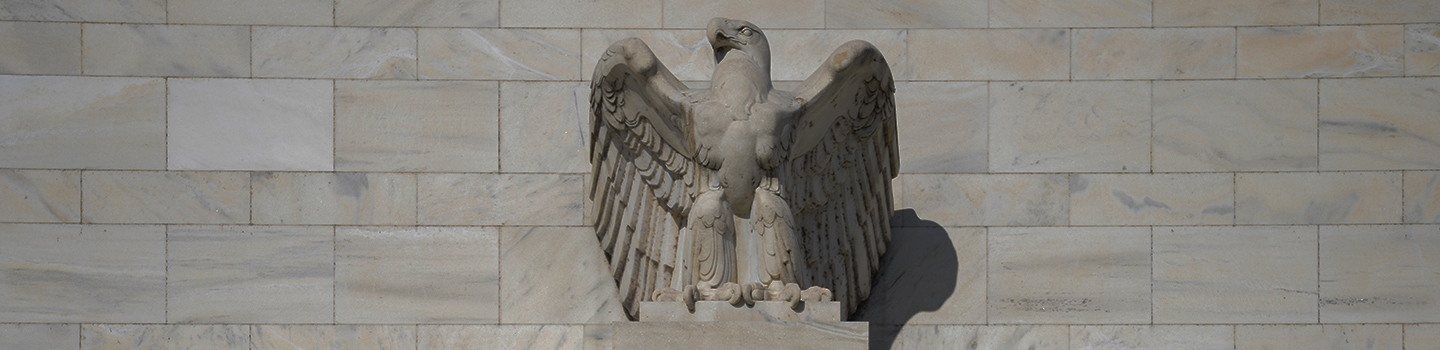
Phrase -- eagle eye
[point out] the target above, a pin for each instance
(746, 31)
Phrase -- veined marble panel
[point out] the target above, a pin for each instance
(501, 199)
(166, 197)
(1183, 13)
(582, 14)
(1422, 197)
(39, 48)
(82, 122)
(500, 54)
(529, 337)
(421, 13)
(991, 54)
(984, 337)
(1069, 14)
(1380, 274)
(417, 126)
(39, 336)
(1244, 274)
(1378, 11)
(1152, 337)
(546, 127)
(1302, 337)
(166, 50)
(73, 273)
(328, 52)
(988, 199)
(40, 196)
(685, 52)
(164, 337)
(1089, 275)
(417, 275)
(1422, 49)
(945, 124)
(598, 337)
(765, 14)
(1321, 51)
(795, 54)
(1418, 335)
(1152, 199)
(1317, 198)
(535, 281)
(250, 274)
(333, 198)
(905, 14)
(286, 337)
(250, 12)
(915, 284)
(1379, 124)
(142, 11)
(251, 124)
(1165, 53)
(1242, 125)
(1070, 126)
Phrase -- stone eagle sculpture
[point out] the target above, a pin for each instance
(741, 192)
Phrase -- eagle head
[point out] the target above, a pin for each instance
(732, 34)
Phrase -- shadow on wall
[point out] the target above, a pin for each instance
(917, 273)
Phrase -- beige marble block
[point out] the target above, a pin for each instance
(1379, 273)
(82, 123)
(518, 337)
(1422, 336)
(39, 196)
(1320, 51)
(333, 198)
(545, 127)
(1379, 124)
(164, 337)
(733, 335)
(765, 14)
(538, 286)
(1152, 337)
(685, 52)
(1070, 126)
(39, 48)
(1183, 13)
(1422, 197)
(929, 275)
(421, 13)
(1061, 14)
(598, 337)
(417, 126)
(1422, 49)
(983, 337)
(1152, 199)
(39, 336)
(1073, 275)
(73, 273)
(501, 199)
(165, 197)
(417, 275)
(1243, 274)
(251, 124)
(1378, 11)
(991, 54)
(377, 337)
(582, 13)
(796, 54)
(988, 199)
(500, 54)
(166, 50)
(141, 11)
(905, 14)
(1241, 125)
(271, 12)
(1317, 198)
(1165, 53)
(250, 274)
(943, 125)
(327, 52)
(1300, 337)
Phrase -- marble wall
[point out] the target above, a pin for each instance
(407, 174)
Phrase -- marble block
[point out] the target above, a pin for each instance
(1152, 199)
(721, 311)
(919, 337)
(250, 12)
(1241, 125)
(1071, 275)
(39, 336)
(741, 335)
(987, 199)
(1070, 126)
(500, 54)
(1152, 337)
(1069, 14)
(1422, 49)
(165, 197)
(164, 337)
(1317, 198)
(326, 52)
(39, 48)
(374, 337)
(501, 199)
(905, 14)
(250, 274)
(582, 14)
(417, 126)
(1165, 53)
(546, 127)
(1300, 337)
(418, 13)
(685, 52)
(82, 122)
(251, 124)
(944, 124)
(395, 275)
(798, 53)
(1379, 124)
(994, 54)
(39, 195)
(1244, 274)
(166, 50)
(1422, 336)
(1378, 11)
(929, 275)
(1320, 51)
(1379, 274)
(764, 13)
(1184, 13)
(1422, 197)
(527, 337)
(535, 279)
(332, 198)
(74, 273)
(134, 11)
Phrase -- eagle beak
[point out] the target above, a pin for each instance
(722, 38)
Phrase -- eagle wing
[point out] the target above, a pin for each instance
(643, 174)
(837, 181)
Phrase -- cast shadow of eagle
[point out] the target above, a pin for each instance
(917, 274)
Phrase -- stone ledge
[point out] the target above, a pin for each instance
(719, 311)
(741, 335)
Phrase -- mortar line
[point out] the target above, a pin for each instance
(1317, 274)
(334, 276)
(82, 48)
(167, 274)
(1152, 127)
(334, 128)
(1152, 275)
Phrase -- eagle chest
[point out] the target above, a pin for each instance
(742, 143)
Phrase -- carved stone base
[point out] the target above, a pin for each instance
(721, 325)
(720, 311)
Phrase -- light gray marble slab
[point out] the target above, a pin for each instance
(250, 12)
(905, 14)
(39, 336)
(166, 50)
(1422, 197)
(996, 54)
(1379, 124)
(39, 195)
(1422, 49)
(1182, 13)
(598, 337)
(142, 11)
(1378, 11)
(1152, 337)
(73, 273)
(1320, 51)
(332, 198)
(929, 275)
(251, 124)
(1152, 199)
(545, 127)
(582, 14)
(377, 337)
(988, 199)
(1063, 14)
(538, 286)
(1318, 198)
(984, 337)
(1070, 126)
(82, 122)
(164, 337)
(797, 53)
(417, 126)
(1188, 53)
(527, 337)
(1299, 337)
(765, 14)
(1379, 274)
(1243, 125)
(421, 13)
(395, 275)
(501, 199)
(328, 52)
(165, 197)
(1245, 274)
(1418, 336)
(39, 48)
(500, 54)
(1070, 275)
(732, 335)
(943, 125)
(250, 274)
(685, 52)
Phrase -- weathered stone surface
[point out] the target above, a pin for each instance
(74, 273)
(1378, 11)
(164, 337)
(499, 54)
(766, 14)
(727, 335)
(1320, 51)
(82, 122)
(1070, 126)
(997, 54)
(527, 337)
(251, 124)
(983, 337)
(424, 126)
(421, 13)
(721, 311)
(685, 52)
(166, 50)
(1152, 337)
(1422, 197)
(501, 199)
(1189, 53)
(1422, 49)
(988, 199)
(1379, 274)
(142, 11)
(1379, 124)
(1063, 14)
(394, 275)
(951, 117)
(250, 274)
(1298, 337)
(582, 14)
(328, 52)
(540, 286)
(40, 336)
(1244, 274)
(1152, 199)
(1073, 275)
(1317, 198)
(1182, 13)
(333, 198)
(148, 197)
(905, 14)
(39, 48)
(274, 12)
(1245, 125)
(546, 127)
(285, 337)
(39, 196)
